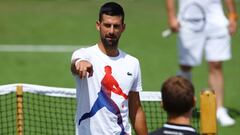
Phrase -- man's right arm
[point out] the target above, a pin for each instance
(172, 17)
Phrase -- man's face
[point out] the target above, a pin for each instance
(110, 28)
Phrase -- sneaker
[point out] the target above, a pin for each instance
(223, 118)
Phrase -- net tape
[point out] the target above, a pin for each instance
(65, 92)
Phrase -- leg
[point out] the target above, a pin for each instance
(112, 107)
(96, 107)
(190, 51)
(185, 71)
(216, 82)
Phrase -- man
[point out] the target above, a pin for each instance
(178, 101)
(202, 25)
(108, 81)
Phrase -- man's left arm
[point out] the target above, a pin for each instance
(136, 114)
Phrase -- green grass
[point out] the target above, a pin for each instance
(72, 22)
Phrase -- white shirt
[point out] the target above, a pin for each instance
(125, 70)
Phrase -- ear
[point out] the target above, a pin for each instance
(194, 101)
(98, 25)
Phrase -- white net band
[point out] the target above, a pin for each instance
(66, 92)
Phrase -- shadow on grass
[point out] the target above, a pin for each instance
(234, 112)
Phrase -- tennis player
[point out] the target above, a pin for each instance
(203, 28)
(108, 81)
(178, 101)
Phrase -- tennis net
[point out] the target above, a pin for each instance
(51, 111)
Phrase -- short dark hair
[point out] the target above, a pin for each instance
(112, 9)
(177, 95)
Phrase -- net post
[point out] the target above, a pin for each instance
(19, 100)
(208, 112)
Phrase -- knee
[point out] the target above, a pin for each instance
(215, 66)
(185, 68)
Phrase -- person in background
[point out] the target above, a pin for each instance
(178, 101)
(204, 29)
(108, 81)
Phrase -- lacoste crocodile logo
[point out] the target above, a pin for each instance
(128, 73)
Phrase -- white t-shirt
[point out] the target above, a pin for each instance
(213, 13)
(125, 70)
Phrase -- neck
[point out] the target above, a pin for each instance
(112, 52)
(182, 119)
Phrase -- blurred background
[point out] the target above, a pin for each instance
(70, 24)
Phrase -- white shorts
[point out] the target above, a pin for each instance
(192, 45)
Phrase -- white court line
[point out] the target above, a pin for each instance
(39, 48)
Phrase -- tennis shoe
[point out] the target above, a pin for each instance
(223, 117)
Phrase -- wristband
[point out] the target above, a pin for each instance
(232, 16)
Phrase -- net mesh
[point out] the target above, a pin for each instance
(48, 115)
(51, 111)
(8, 114)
